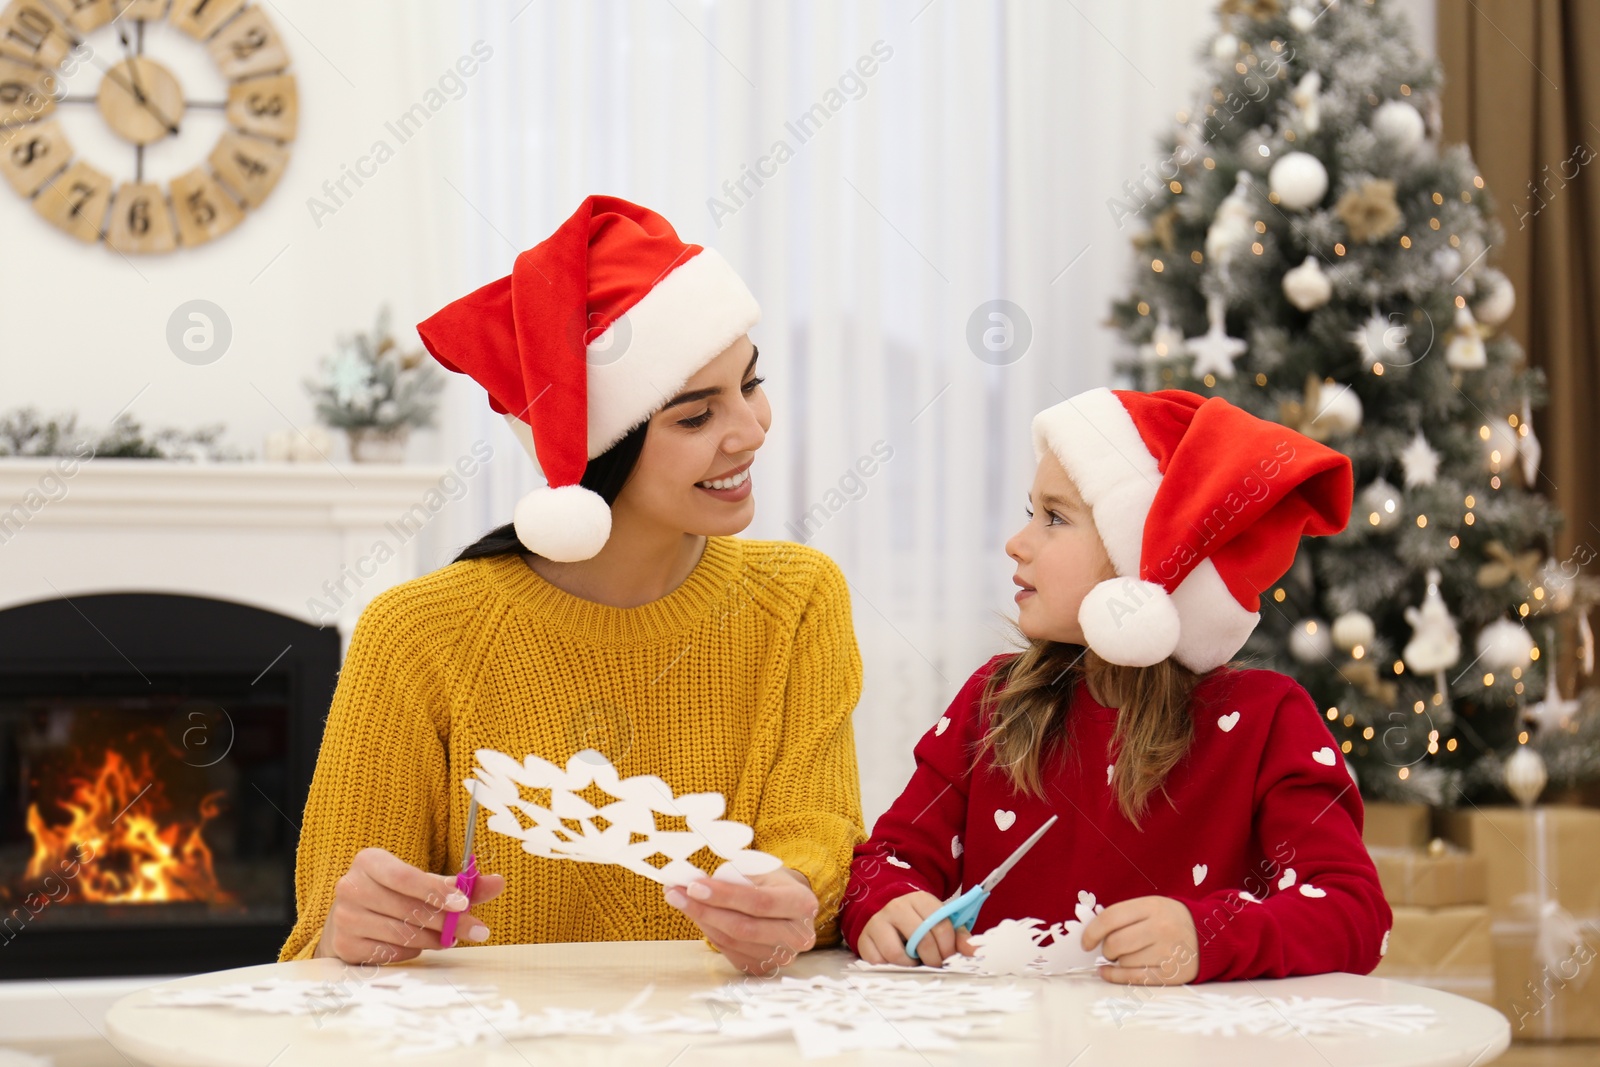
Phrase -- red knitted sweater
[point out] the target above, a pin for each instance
(1258, 832)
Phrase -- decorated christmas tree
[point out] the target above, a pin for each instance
(1308, 251)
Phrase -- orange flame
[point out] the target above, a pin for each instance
(135, 859)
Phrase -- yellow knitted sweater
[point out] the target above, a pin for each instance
(740, 681)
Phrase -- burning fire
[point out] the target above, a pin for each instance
(136, 860)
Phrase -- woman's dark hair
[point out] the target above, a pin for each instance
(605, 474)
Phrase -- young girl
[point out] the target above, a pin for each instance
(1207, 808)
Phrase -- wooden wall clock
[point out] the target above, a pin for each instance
(142, 102)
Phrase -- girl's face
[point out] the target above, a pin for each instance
(693, 473)
(1059, 557)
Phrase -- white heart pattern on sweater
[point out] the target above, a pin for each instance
(898, 862)
(1287, 880)
(1004, 819)
(941, 726)
(955, 847)
(1325, 756)
(1247, 895)
(1110, 770)
(1200, 870)
(1309, 890)
(1228, 721)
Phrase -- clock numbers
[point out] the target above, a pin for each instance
(86, 15)
(200, 18)
(248, 166)
(266, 107)
(26, 93)
(205, 211)
(34, 155)
(76, 201)
(141, 221)
(248, 46)
(31, 32)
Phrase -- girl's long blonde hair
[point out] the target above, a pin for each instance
(1024, 702)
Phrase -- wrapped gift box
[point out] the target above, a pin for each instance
(1544, 906)
(1444, 948)
(1396, 825)
(1439, 877)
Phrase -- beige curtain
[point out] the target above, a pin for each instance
(1522, 88)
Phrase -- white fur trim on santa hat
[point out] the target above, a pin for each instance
(1215, 624)
(1130, 622)
(1095, 440)
(684, 322)
(565, 523)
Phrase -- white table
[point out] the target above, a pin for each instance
(606, 976)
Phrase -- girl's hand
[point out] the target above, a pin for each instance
(385, 910)
(759, 927)
(883, 939)
(1152, 940)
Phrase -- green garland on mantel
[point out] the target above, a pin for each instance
(24, 432)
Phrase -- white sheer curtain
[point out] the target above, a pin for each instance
(973, 163)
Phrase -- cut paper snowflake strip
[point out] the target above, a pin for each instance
(1023, 947)
(624, 832)
(1230, 1015)
(283, 996)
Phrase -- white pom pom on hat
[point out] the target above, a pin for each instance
(1200, 506)
(567, 522)
(594, 330)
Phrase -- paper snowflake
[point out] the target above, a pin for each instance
(1229, 1015)
(624, 832)
(1022, 947)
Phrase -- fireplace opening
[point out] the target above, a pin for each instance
(155, 753)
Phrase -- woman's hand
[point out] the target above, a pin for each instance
(1152, 939)
(385, 910)
(883, 939)
(759, 927)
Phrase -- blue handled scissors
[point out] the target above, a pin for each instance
(962, 910)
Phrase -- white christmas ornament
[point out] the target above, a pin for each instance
(1301, 18)
(1310, 641)
(1497, 298)
(1399, 124)
(631, 836)
(1338, 411)
(1214, 351)
(1379, 339)
(1504, 644)
(1420, 461)
(1233, 227)
(1307, 287)
(1298, 180)
(1435, 643)
(1307, 103)
(1380, 505)
(1166, 342)
(1465, 351)
(1225, 47)
(1525, 775)
(1529, 448)
(1354, 628)
(1553, 712)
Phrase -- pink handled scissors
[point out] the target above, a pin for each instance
(466, 880)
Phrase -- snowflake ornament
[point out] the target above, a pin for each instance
(1214, 351)
(623, 833)
(1379, 340)
(1420, 461)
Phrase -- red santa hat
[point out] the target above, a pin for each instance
(1201, 506)
(591, 333)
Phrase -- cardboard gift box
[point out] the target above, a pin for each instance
(1440, 877)
(1396, 825)
(1544, 906)
(1444, 948)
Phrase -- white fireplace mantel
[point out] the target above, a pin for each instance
(308, 540)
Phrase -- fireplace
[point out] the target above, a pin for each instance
(155, 754)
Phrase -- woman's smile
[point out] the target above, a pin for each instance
(732, 487)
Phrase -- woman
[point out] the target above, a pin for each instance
(617, 613)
